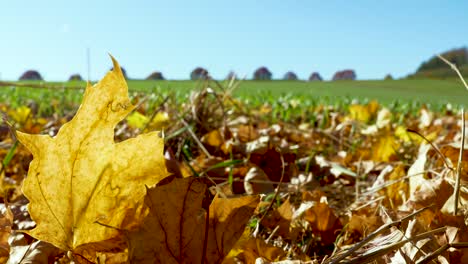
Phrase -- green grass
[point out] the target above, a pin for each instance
(431, 91)
(434, 93)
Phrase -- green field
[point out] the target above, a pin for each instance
(436, 94)
(425, 91)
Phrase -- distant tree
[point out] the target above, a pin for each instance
(315, 76)
(123, 72)
(31, 75)
(457, 56)
(290, 76)
(231, 75)
(199, 73)
(435, 68)
(75, 77)
(344, 75)
(155, 76)
(388, 77)
(262, 73)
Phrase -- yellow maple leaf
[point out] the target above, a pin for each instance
(81, 185)
(20, 115)
(137, 120)
(359, 112)
(364, 113)
(384, 150)
(140, 121)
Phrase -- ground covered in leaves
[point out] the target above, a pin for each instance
(235, 184)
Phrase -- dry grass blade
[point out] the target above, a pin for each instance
(373, 254)
(200, 145)
(439, 251)
(459, 165)
(373, 235)
(457, 184)
(446, 161)
(454, 67)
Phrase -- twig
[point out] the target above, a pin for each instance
(272, 234)
(459, 165)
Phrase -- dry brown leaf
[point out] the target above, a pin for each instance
(281, 218)
(248, 249)
(228, 217)
(452, 153)
(6, 222)
(360, 226)
(247, 133)
(81, 183)
(271, 163)
(323, 221)
(174, 230)
(39, 252)
(256, 181)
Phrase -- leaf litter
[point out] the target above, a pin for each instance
(213, 180)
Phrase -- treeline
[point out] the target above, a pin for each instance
(199, 73)
(435, 68)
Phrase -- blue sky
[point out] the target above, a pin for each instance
(174, 37)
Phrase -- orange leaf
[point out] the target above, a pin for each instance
(323, 221)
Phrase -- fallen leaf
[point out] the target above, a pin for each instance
(6, 222)
(360, 226)
(281, 218)
(160, 121)
(247, 133)
(213, 138)
(174, 230)
(256, 181)
(80, 182)
(323, 221)
(385, 148)
(360, 113)
(25, 253)
(137, 120)
(228, 217)
(248, 249)
(417, 171)
(396, 193)
(20, 115)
